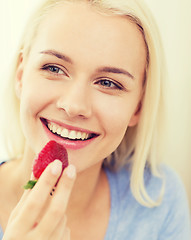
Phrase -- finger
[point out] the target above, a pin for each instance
(66, 235)
(61, 231)
(18, 207)
(38, 196)
(20, 204)
(23, 198)
(57, 207)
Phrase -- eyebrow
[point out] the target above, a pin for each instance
(101, 69)
(57, 54)
(115, 70)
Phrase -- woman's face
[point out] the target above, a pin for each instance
(82, 82)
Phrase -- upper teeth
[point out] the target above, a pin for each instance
(64, 132)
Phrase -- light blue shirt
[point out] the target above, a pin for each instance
(132, 221)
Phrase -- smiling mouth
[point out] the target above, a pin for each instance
(64, 133)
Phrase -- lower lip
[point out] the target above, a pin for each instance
(68, 144)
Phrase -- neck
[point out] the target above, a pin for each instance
(85, 190)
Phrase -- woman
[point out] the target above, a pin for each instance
(89, 75)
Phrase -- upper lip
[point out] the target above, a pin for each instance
(69, 127)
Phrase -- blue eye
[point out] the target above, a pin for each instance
(53, 69)
(106, 83)
(109, 84)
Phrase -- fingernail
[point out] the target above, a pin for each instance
(56, 167)
(71, 171)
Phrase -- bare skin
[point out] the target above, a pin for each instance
(88, 213)
(60, 96)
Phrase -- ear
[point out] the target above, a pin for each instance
(18, 76)
(135, 117)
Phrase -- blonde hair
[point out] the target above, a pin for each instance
(142, 144)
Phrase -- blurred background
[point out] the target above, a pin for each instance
(174, 20)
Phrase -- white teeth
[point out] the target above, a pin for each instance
(79, 135)
(87, 135)
(50, 126)
(66, 133)
(83, 136)
(59, 130)
(72, 135)
(54, 128)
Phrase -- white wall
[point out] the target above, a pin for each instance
(174, 19)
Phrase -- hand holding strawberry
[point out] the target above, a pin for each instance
(39, 215)
(48, 154)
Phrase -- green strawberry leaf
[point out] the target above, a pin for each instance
(30, 184)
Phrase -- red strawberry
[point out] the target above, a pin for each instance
(48, 154)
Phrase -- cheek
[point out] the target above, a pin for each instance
(117, 125)
(35, 95)
(31, 103)
(115, 114)
(34, 98)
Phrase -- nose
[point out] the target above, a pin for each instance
(75, 101)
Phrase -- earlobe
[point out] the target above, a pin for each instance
(18, 76)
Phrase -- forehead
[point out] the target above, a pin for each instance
(79, 29)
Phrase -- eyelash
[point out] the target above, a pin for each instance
(48, 68)
(116, 86)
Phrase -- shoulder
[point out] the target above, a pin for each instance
(174, 187)
(170, 220)
(176, 214)
(168, 180)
